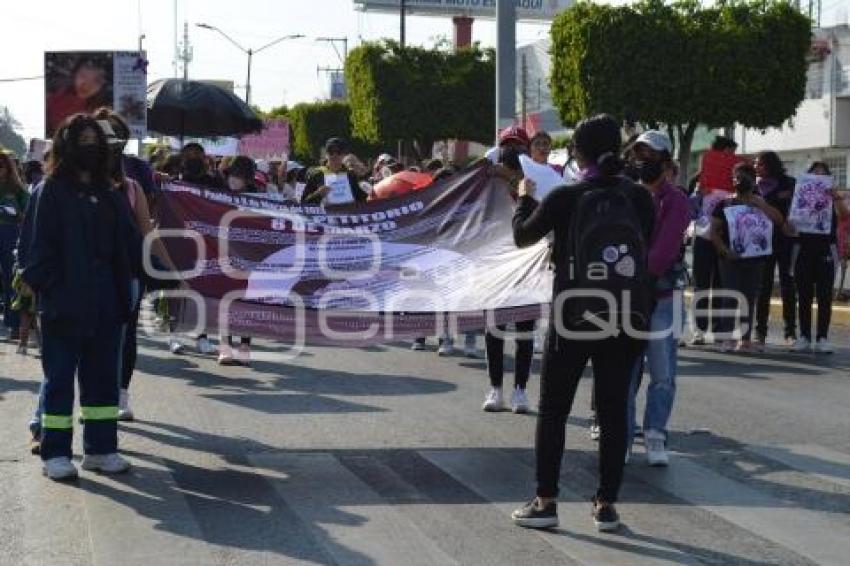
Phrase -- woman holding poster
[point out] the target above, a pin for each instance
(333, 184)
(815, 212)
(742, 232)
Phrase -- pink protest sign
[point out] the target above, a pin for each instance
(271, 143)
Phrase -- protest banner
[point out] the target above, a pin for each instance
(811, 207)
(401, 265)
(219, 147)
(272, 144)
(708, 202)
(750, 231)
(83, 81)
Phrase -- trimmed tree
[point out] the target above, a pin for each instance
(681, 65)
(420, 95)
(312, 123)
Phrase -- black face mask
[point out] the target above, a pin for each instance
(87, 157)
(194, 167)
(649, 171)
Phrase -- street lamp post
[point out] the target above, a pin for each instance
(249, 52)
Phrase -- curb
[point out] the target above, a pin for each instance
(840, 311)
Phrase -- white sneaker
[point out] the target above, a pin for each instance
(60, 468)
(205, 347)
(822, 346)
(417, 346)
(699, 338)
(595, 431)
(225, 356)
(445, 349)
(801, 344)
(124, 411)
(519, 401)
(175, 347)
(106, 463)
(656, 453)
(494, 401)
(470, 351)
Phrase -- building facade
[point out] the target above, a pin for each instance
(820, 130)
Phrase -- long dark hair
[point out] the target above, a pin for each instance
(66, 141)
(772, 163)
(122, 131)
(13, 178)
(598, 140)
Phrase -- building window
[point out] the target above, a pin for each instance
(838, 166)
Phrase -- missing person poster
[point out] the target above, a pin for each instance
(811, 207)
(83, 81)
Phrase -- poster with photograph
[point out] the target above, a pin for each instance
(750, 231)
(811, 207)
(83, 81)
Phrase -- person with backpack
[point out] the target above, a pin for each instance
(653, 164)
(601, 293)
(815, 258)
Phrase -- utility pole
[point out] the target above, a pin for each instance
(401, 23)
(505, 63)
(185, 51)
(524, 90)
(341, 56)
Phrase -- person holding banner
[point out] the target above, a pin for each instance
(815, 212)
(80, 264)
(777, 189)
(574, 336)
(742, 231)
(333, 184)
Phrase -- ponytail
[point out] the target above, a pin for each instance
(610, 164)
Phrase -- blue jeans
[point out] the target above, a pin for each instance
(660, 358)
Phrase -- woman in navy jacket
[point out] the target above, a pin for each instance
(82, 254)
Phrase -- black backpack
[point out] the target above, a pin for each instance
(608, 253)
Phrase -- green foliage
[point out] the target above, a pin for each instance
(9, 138)
(421, 94)
(560, 142)
(680, 63)
(312, 123)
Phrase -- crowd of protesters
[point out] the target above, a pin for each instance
(70, 251)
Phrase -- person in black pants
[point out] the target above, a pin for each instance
(706, 278)
(741, 274)
(522, 367)
(777, 189)
(815, 260)
(597, 145)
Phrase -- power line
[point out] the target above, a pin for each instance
(20, 79)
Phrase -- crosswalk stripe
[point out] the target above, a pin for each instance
(348, 518)
(138, 518)
(508, 483)
(818, 461)
(811, 534)
(462, 522)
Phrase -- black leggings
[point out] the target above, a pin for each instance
(781, 258)
(744, 276)
(814, 272)
(706, 278)
(496, 355)
(563, 365)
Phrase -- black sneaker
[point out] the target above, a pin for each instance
(605, 516)
(532, 517)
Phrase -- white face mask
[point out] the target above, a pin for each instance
(235, 184)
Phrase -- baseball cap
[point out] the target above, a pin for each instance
(262, 166)
(513, 134)
(655, 139)
(384, 158)
(293, 166)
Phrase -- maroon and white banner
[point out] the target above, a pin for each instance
(437, 259)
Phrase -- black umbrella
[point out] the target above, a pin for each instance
(178, 107)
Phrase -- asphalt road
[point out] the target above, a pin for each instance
(383, 456)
